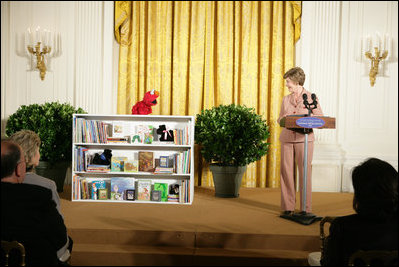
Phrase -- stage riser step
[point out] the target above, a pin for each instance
(195, 240)
(132, 237)
(167, 256)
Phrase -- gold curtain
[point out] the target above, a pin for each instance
(202, 54)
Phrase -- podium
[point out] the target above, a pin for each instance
(305, 123)
(323, 122)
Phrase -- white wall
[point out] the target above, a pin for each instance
(366, 117)
(85, 75)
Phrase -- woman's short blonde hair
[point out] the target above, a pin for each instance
(296, 75)
(30, 143)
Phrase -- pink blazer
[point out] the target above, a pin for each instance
(292, 106)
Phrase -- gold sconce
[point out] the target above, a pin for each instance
(40, 53)
(382, 47)
(40, 45)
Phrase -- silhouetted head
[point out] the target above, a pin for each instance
(13, 167)
(376, 189)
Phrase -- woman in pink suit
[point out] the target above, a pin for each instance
(292, 143)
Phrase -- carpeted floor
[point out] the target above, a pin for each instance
(250, 222)
(255, 211)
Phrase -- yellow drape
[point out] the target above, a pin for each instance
(202, 54)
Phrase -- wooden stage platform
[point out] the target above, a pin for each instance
(212, 231)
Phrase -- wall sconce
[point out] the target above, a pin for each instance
(41, 46)
(381, 47)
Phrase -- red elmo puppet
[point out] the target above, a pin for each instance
(144, 107)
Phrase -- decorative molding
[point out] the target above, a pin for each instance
(108, 104)
(330, 174)
(324, 66)
(89, 46)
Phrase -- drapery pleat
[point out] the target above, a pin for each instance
(202, 54)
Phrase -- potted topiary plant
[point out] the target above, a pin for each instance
(53, 123)
(230, 137)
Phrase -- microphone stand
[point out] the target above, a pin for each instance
(304, 217)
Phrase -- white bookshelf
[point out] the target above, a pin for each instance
(122, 149)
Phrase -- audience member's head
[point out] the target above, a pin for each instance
(13, 167)
(30, 143)
(376, 188)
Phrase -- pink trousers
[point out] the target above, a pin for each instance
(291, 152)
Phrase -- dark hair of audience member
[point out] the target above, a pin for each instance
(375, 183)
(9, 158)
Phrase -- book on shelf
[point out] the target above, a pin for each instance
(182, 136)
(84, 191)
(184, 194)
(103, 193)
(119, 185)
(91, 131)
(98, 168)
(182, 161)
(118, 140)
(146, 133)
(122, 128)
(118, 164)
(131, 165)
(146, 161)
(144, 190)
(163, 187)
(95, 185)
(136, 139)
(160, 170)
(173, 198)
(164, 161)
(168, 161)
(155, 135)
(76, 187)
(88, 159)
(130, 194)
(174, 190)
(81, 156)
(156, 195)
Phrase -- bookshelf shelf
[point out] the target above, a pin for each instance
(132, 174)
(135, 201)
(93, 134)
(136, 146)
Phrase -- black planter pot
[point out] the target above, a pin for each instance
(55, 172)
(227, 180)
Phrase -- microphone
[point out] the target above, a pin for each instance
(314, 99)
(305, 100)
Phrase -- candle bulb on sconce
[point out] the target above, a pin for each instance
(388, 46)
(369, 44)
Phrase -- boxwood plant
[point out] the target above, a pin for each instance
(52, 122)
(231, 135)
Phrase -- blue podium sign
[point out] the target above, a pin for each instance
(310, 122)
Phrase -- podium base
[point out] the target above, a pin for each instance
(302, 217)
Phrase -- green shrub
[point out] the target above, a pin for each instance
(52, 122)
(231, 135)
